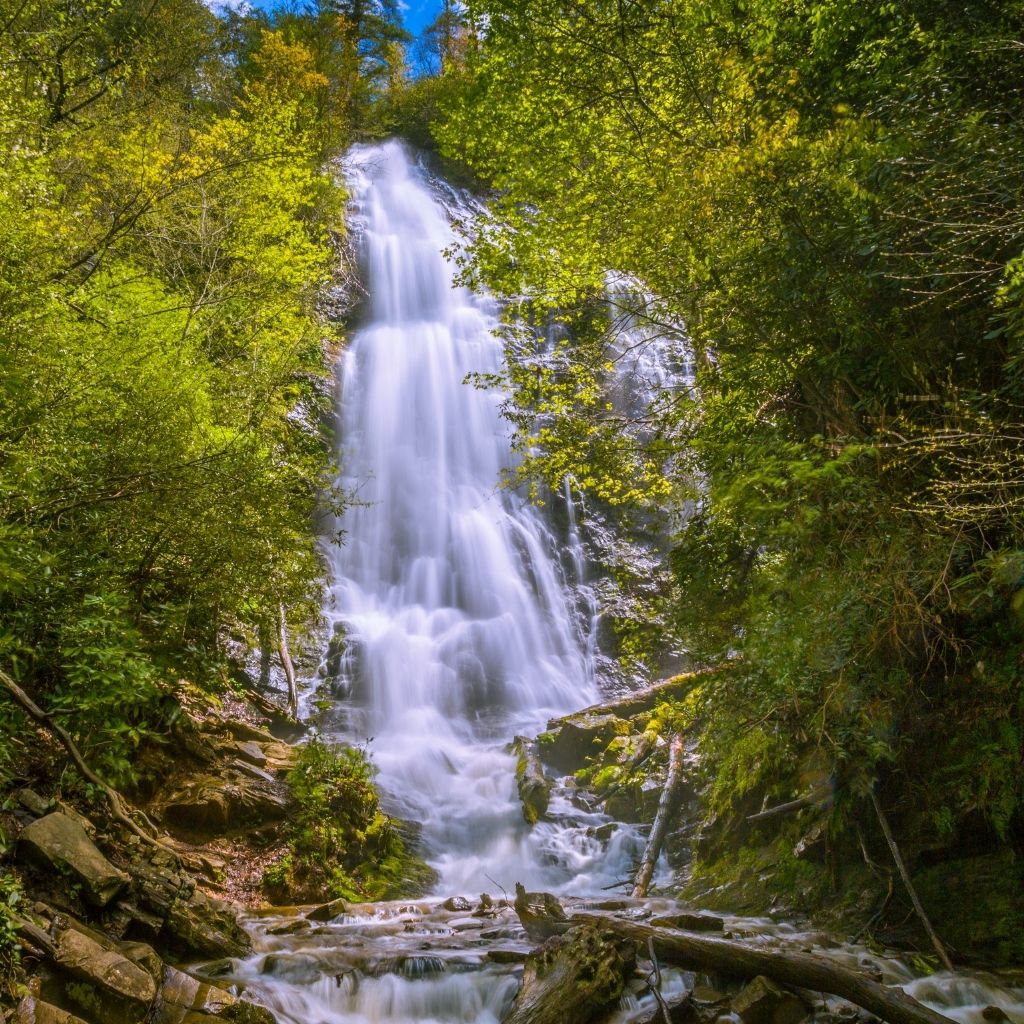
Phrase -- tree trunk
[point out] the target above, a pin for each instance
(666, 809)
(905, 875)
(286, 663)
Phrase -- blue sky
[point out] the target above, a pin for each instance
(417, 13)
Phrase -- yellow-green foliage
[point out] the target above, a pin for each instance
(162, 362)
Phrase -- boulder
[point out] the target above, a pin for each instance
(534, 788)
(575, 738)
(186, 1000)
(764, 1002)
(35, 1011)
(457, 904)
(101, 980)
(36, 805)
(58, 844)
(327, 911)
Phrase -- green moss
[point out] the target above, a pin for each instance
(545, 739)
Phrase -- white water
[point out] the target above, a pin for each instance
(463, 628)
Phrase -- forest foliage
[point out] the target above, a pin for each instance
(829, 196)
(170, 225)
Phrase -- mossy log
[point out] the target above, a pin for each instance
(639, 701)
(734, 959)
(573, 978)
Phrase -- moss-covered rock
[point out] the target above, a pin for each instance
(575, 738)
(976, 905)
(534, 788)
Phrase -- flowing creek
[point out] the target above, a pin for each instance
(464, 625)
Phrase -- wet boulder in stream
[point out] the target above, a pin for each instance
(534, 788)
(573, 978)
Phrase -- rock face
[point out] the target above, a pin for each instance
(211, 806)
(190, 920)
(58, 843)
(534, 788)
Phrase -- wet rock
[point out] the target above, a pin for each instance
(457, 904)
(506, 956)
(534, 789)
(34, 1011)
(102, 981)
(328, 911)
(186, 1000)
(995, 1015)
(704, 995)
(764, 1002)
(573, 978)
(336, 651)
(290, 927)
(297, 969)
(606, 831)
(575, 738)
(465, 924)
(59, 844)
(690, 922)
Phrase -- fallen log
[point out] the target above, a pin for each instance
(643, 699)
(787, 967)
(819, 796)
(725, 957)
(666, 809)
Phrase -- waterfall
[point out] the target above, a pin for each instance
(460, 626)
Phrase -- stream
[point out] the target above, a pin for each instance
(466, 621)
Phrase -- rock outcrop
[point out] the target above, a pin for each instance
(58, 843)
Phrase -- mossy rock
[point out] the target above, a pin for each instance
(976, 907)
(579, 737)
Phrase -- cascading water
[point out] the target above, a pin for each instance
(461, 630)
(460, 627)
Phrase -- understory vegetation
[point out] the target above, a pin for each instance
(342, 845)
(828, 196)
